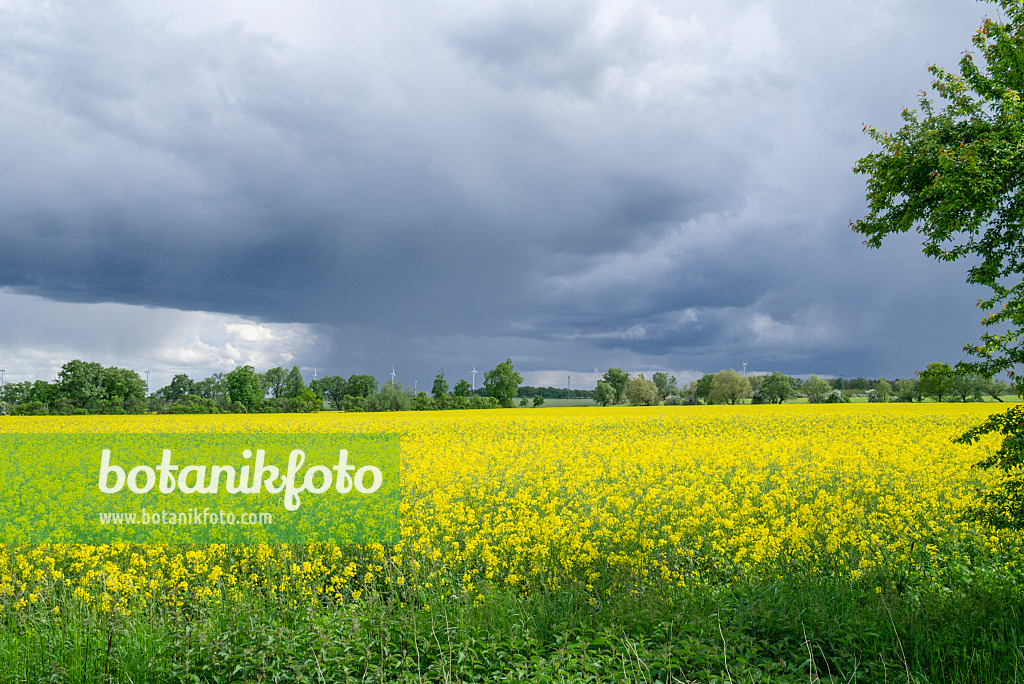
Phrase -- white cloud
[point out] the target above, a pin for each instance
(41, 335)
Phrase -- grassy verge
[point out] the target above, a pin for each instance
(797, 629)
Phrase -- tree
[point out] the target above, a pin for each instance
(462, 388)
(906, 389)
(618, 379)
(816, 389)
(882, 390)
(776, 387)
(123, 390)
(665, 383)
(954, 175)
(179, 386)
(274, 380)
(245, 388)
(294, 383)
(80, 384)
(537, 400)
(361, 386)
(993, 388)
(936, 381)
(332, 389)
(641, 392)
(214, 387)
(702, 387)
(502, 382)
(728, 386)
(964, 385)
(440, 389)
(604, 394)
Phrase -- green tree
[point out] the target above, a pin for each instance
(294, 383)
(274, 380)
(618, 379)
(776, 387)
(440, 389)
(906, 389)
(363, 386)
(80, 384)
(882, 390)
(641, 392)
(179, 386)
(214, 387)
(993, 388)
(332, 389)
(604, 394)
(502, 383)
(537, 400)
(245, 388)
(728, 387)
(665, 383)
(954, 175)
(123, 390)
(816, 389)
(936, 381)
(965, 385)
(462, 389)
(702, 387)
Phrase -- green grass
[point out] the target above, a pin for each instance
(798, 629)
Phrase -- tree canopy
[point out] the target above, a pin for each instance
(955, 174)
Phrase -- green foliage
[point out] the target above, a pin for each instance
(776, 387)
(192, 404)
(604, 394)
(502, 383)
(618, 379)
(390, 397)
(424, 402)
(538, 401)
(906, 389)
(955, 176)
(936, 381)
(245, 388)
(462, 389)
(665, 383)
(440, 389)
(641, 392)
(882, 391)
(361, 386)
(816, 389)
(1004, 505)
(702, 387)
(332, 389)
(179, 386)
(274, 380)
(294, 383)
(728, 387)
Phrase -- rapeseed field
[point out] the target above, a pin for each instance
(602, 504)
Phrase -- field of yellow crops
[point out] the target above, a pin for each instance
(599, 500)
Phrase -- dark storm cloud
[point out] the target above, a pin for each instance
(665, 183)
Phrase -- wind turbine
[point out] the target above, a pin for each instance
(3, 375)
(474, 371)
(597, 374)
(744, 366)
(147, 378)
(392, 375)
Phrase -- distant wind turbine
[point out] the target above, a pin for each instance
(392, 375)
(744, 366)
(474, 371)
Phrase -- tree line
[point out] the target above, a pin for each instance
(89, 388)
(938, 381)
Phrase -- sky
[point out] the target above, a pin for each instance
(425, 185)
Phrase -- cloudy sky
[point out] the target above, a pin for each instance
(190, 186)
